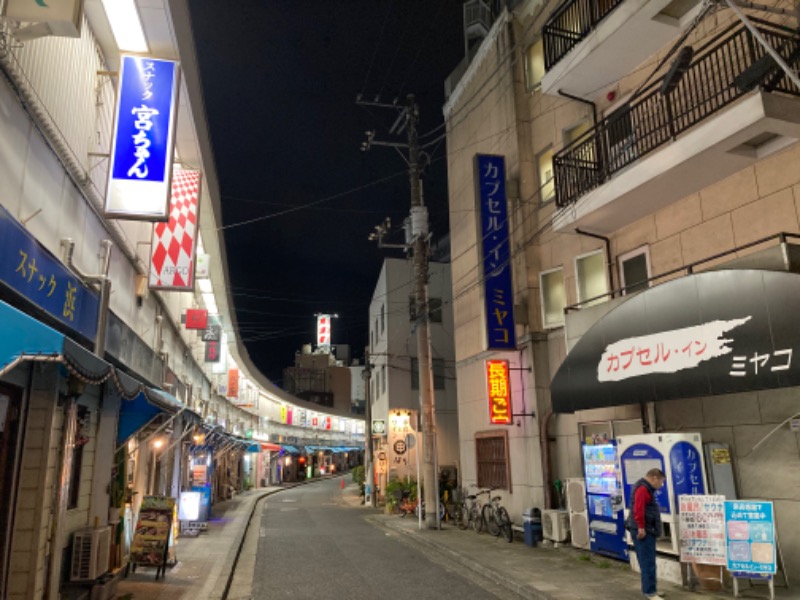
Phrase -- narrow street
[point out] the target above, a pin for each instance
(313, 546)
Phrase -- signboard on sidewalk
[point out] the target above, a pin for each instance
(750, 529)
(702, 529)
(151, 538)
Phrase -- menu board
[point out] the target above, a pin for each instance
(702, 529)
(750, 527)
(152, 534)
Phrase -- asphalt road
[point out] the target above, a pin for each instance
(311, 546)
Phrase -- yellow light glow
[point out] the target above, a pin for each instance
(158, 443)
(126, 25)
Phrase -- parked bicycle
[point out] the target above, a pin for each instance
(469, 511)
(497, 519)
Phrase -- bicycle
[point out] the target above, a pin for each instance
(497, 519)
(473, 513)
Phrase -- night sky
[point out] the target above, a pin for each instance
(280, 81)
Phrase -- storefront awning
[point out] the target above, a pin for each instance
(716, 332)
(290, 449)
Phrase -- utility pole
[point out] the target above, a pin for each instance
(419, 243)
(369, 477)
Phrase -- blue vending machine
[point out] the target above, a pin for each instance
(604, 500)
(680, 457)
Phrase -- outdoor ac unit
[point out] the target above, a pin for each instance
(555, 525)
(90, 554)
(578, 516)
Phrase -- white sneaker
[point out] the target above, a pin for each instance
(656, 597)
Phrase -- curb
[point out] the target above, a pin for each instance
(521, 589)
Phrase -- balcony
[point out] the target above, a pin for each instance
(589, 44)
(732, 107)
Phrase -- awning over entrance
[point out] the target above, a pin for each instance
(712, 333)
(26, 339)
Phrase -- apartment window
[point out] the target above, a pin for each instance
(634, 270)
(491, 454)
(590, 278)
(438, 374)
(554, 297)
(573, 133)
(547, 186)
(383, 318)
(534, 65)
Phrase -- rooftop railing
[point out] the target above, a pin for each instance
(724, 69)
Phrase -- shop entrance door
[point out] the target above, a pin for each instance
(10, 399)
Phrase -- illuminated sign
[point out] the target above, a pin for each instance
(189, 506)
(499, 390)
(323, 330)
(233, 383)
(495, 252)
(172, 254)
(140, 170)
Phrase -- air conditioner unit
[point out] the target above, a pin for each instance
(555, 525)
(90, 553)
(578, 515)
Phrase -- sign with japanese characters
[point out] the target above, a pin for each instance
(172, 252)
(687, 471)
(750, 530)
(196, 318)
(31, 271)
(702, 529)
(324, 331)
(213, 352)
(490, 180)
(499, 392)
(233, 383)
(716, 332)
(143, 141)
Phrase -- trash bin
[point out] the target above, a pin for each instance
(532, 524)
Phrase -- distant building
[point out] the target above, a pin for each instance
(319, 378)
(394, 385)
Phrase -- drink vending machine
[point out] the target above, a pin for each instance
(680, 457)
(604, 500)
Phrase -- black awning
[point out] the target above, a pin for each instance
(712, 333)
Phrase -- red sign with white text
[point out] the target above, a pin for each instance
(499, 389)
(196, 318)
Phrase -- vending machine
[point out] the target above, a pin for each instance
(604, 500)
(680, 457)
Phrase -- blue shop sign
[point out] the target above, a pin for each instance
(143, 140)
(495, 252)
(687, 472)
(29, 269)
(750, 536)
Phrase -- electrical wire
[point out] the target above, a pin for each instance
(377, 45)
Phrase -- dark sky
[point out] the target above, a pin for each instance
(280, 80)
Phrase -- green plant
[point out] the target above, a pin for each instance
(395, 489)
(359, 476)
(603, 564)
(585, 558)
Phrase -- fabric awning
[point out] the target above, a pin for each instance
(269, 447)
(290, 449)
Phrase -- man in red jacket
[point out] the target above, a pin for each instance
(644, 523)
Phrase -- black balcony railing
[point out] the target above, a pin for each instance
(718, 75)
(570, 23)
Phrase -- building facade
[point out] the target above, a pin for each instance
(652, 188)
(394, 383)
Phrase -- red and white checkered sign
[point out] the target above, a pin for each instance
(174, 242)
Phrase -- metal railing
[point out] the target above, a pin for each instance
(477, 12)
(654, 118)
(570, 24)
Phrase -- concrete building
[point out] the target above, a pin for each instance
(641, 205)
(394, 386)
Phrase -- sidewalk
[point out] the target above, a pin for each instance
(205, 562)
(540, 573)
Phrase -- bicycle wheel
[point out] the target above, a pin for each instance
(504, 521)
(476, 518)
(442, 512)
(462, 516)
(491, 520)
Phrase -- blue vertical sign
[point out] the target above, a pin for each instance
(750, 536)
(31, 271)
(687, 470)
(495, 252)
(143, 140)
